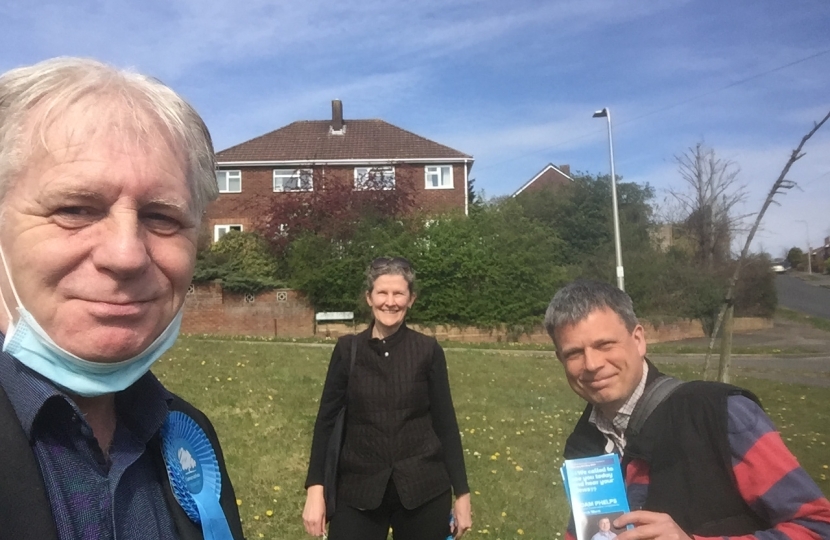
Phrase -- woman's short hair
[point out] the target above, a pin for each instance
(578, 299)
(384, 266)
(33, 98)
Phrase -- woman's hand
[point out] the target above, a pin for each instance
(314, 513)
(462, 515)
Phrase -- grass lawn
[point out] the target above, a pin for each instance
(514, 410)
(816, 322)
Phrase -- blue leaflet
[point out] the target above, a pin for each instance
(596, 491)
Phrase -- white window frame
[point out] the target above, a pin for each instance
(221, 230)
(360, 172)
(236, 174)
(283, 174)
(431, 170)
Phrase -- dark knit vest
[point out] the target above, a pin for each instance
(685, 442)
(389, 430)
(25, 512)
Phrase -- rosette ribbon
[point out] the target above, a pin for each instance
(194, 474)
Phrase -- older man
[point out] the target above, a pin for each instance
(707, 462)
(104, 176)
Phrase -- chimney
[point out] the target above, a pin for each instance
(336, 116)
(565, 169)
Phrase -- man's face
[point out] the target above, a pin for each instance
(100, 238)
(605, 524)
(603, 360)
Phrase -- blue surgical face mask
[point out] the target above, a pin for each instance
(27, 341)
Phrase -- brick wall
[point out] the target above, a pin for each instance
(680, 329)
(550, 179)
(286, 313)
(208, 309)
(257, 191)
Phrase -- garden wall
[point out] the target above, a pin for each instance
(655, 333)
(209, 309)
(286, 313)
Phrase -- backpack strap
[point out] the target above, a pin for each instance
(25, 511)
(655, 394)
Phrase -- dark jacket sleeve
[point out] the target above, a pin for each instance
(332, 400)
(445, 422)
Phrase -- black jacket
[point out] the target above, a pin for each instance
(685, 442)
(400, 422)
(25, 513)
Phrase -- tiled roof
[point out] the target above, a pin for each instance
(312, 140)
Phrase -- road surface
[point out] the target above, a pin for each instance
(795, 294)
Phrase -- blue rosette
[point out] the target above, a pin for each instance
(194, 474)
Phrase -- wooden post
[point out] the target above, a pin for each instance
(726, 345)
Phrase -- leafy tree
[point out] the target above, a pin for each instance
(335, 208)
(796, 257)
(580, 214)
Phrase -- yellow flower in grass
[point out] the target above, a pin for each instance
(520, 531)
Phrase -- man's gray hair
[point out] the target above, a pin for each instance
(578, 299)
(33, 98)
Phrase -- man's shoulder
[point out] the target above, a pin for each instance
(713, 391)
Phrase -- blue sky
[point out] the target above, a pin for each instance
(512, 83)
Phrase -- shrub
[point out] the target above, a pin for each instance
(242, 261)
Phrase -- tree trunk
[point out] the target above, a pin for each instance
(726, 345)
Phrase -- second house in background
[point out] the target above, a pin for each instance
(364, 154)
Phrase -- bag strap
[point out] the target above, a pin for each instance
(655, 394)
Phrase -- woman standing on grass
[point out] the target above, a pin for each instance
(401, 457)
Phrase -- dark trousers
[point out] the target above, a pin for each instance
(430, 521)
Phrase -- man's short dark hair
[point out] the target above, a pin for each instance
(578, 299)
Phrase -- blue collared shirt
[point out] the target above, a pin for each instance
(92, 496)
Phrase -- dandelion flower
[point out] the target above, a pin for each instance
(238, 502)
(520, 531)
(269, 513)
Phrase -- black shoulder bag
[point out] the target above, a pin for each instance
(335, 444)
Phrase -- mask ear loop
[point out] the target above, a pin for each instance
(17, 302)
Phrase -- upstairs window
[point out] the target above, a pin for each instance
(374, 178)
(293, 180)
(221, 230)
(229, 181)
(439, 177)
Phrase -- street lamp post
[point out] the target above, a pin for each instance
(606, 113)
(809, 249)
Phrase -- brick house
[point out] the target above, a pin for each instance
(285, 162)
(550, 176)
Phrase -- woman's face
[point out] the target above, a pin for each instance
(390, 299)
